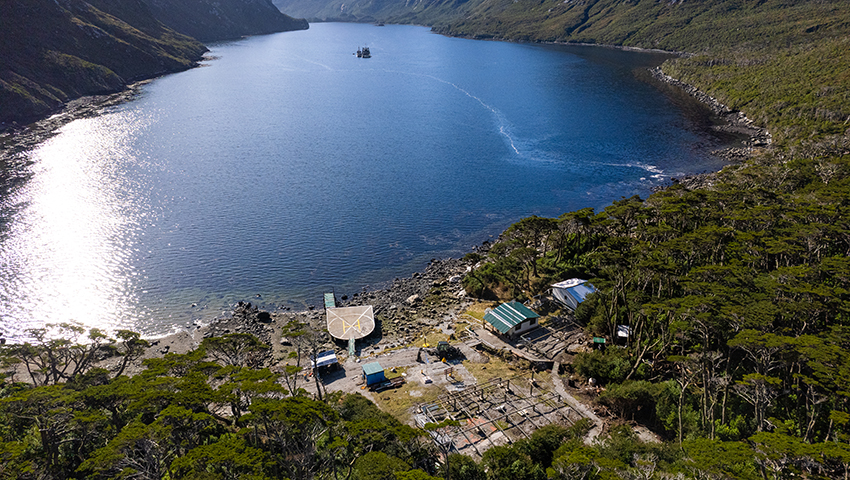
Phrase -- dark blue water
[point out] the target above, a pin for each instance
(286, 166)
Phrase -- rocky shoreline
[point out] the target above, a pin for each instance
(731, 121)
(15, 139)
(404, 311)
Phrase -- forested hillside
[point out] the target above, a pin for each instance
(54, 51)
(737, 294)
(691, 26)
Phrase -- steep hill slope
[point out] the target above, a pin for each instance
(677, 25)
(55, 51)
(419, 12)
(209, 20)
(691, 26)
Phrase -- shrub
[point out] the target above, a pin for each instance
(607, 366)
(632, 400)
(378, 466)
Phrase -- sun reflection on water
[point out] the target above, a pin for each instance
(66, 255)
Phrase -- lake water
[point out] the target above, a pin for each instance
(285, 166)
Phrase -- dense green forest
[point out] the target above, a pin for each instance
(217, 413)
(737, 295)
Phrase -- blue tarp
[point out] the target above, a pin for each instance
(572, 292)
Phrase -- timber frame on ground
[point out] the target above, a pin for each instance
(497, 412)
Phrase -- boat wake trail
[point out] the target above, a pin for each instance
(313, 62)
(504, 124)
(527, 150)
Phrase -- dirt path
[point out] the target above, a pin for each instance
(586, 411)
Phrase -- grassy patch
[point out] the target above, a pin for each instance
(399, 402)
(461, 326)
(477, 310)
(430, 339)
(399, 372)
(496, 367)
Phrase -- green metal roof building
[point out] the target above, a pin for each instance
(512, 318)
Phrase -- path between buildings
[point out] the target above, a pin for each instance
(497, 343)
(577, 405)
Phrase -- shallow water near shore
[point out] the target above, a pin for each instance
(285, 167)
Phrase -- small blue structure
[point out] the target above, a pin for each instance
(374, 373)
(572, 292)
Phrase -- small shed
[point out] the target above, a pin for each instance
(512, 318)
(572, 292)
(324, 359)
(599, 343)
(373, 373)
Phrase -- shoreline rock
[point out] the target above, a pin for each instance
(404, 309)
(16, 138)
(732, 121)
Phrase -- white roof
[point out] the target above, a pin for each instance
(569, 283)
(325, 358)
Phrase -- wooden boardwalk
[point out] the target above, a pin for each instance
(496, 343)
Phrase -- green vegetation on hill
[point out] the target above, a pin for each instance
(216, 413)
(55, 51)
(692, 26)
(737, 294)
(800, 93)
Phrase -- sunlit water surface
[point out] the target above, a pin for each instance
(285, 167)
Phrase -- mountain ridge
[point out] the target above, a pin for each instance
(674, 26)
(56, 51)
